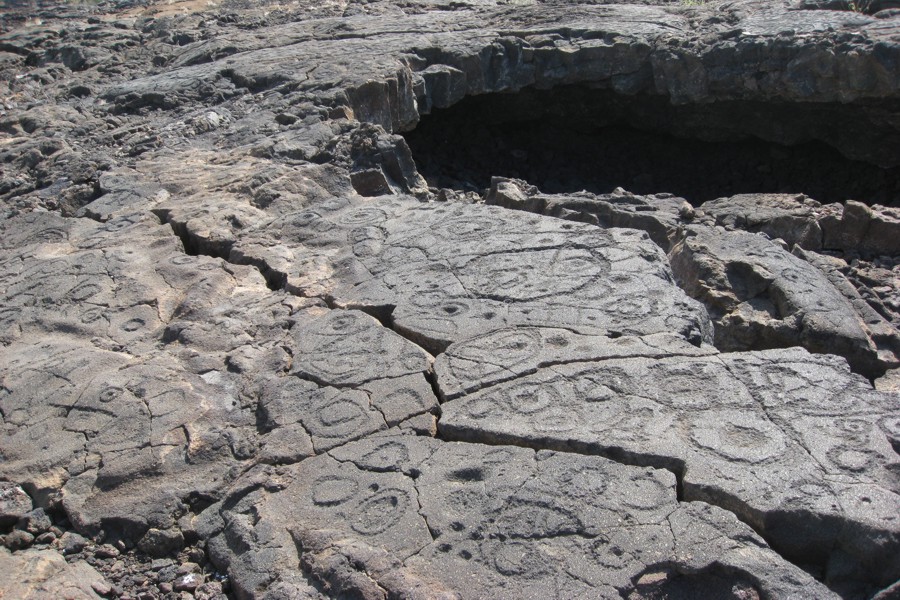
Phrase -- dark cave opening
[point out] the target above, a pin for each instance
(571, 138)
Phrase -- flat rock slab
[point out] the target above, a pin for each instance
(412, 516)
(43, 574)
(445, 273)
(350, 348)
(792, 443)
(506, 354)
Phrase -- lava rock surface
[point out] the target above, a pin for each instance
(251, 348)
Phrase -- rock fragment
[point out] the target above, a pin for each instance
(45, 573)
(14, 503)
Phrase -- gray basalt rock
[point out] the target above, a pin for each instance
(793, 443)
(762, 296)
(444, 273)
(661, 216)
(45, 573)
(401, 514)
(91, 407)
(860, 228)
(794, 219)
(471, 364)
(757, 293)
(14, 503)
(234, 316)
(851, 227)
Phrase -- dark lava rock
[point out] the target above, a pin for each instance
(72, 543)
(18, 539)
(161, 543)
(456, 520)
(14, 503)
(34, 522)
(763, 433)
(250, 347)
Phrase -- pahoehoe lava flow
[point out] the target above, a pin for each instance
(449, 300)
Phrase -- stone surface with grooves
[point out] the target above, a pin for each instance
(232, 306)
(793, 443)
(416, 516)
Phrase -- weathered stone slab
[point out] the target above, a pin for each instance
(506, 354)
(761, 296)
(661, 215)
(792, 218)
(226, 186)
(46, 574)
(792, 443)
(415, 516)
(445, 273)
(98, 418)
(350, 348)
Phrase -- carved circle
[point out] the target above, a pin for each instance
(363, 216)
(740, 436)
(610, 554)
(132, 325)
(855, 460)
(389, 456)
(406, 397)
(50, 235)
(518, 559)
(588, 482)
(520, 276)
(84, 290)
(513, 346)
(333, 490)
(109, 394)
(379, 512)
(119, 224)
(480, 408)
(531, 397)
(557, 419)
(527, 518)
(647, 493)
(91, 315)
(339, 417)
(344, 323)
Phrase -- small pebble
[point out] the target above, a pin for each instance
(188, 567)
(161, 563)
(102, 588)
(106, 551)
(188, 583)
(72, 543)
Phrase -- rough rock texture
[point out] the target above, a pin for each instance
(415, 516)
(759, 294)
(750, 431)
(246, 349)
(38, 574)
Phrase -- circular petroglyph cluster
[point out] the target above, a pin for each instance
(527, 276)
(738, 436)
